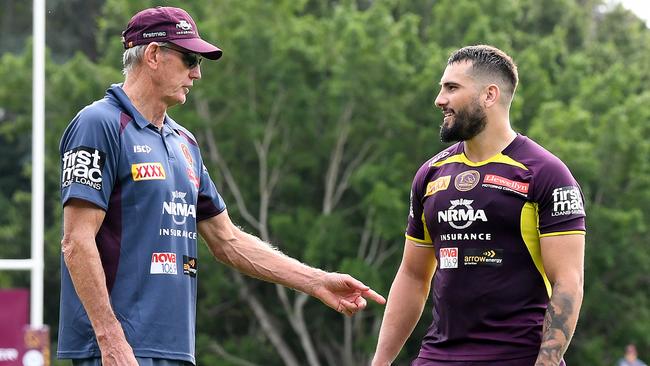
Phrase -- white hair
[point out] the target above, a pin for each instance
(133, 56)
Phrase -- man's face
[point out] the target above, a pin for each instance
(175, 77)
(464, 118)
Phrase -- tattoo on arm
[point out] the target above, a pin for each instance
(559, 325)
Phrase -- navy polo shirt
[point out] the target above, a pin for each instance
(154, 188)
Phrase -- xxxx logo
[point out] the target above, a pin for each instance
(147, 171)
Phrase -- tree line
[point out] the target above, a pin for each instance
(312, 126)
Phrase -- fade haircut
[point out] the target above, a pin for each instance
(490, 63)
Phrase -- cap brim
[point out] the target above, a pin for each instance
(197, 45)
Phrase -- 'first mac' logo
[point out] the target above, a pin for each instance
(82, 165)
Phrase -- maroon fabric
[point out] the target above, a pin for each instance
(109, 237)
(14, 315)
(124, 121)
(167, 24)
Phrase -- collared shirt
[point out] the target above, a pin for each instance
(484, 221)
(154, 188)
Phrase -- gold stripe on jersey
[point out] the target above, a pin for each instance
(427, 238)
(558, 233)
(530, 234)
(421, 243)
(461, 158)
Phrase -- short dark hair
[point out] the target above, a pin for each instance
(490, 61)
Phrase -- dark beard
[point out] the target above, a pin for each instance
(468, 122)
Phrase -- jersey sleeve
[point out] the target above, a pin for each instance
(210, 202)
(416, 229)
(560, 201)
(90, 150)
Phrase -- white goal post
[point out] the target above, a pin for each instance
(35, 263)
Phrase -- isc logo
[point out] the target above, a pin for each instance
(163, 263)
(141, 149)
(147, 171)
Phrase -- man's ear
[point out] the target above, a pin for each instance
(492, 95)
(151, 56)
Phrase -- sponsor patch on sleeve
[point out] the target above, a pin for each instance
(83, 165)
(567, 201)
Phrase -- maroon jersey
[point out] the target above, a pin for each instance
(485, 220)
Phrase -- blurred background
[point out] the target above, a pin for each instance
(313, 125)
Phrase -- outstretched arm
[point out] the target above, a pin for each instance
(563, 258)
(250, 255)
(406, 300)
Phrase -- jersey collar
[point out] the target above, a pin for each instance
(116, 92)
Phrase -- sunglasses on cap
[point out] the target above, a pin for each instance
(190, 59)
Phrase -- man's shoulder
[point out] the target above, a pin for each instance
(101, 110)
(535, 156)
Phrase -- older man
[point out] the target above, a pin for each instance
(135, 193)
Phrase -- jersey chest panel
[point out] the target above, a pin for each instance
(476, 208)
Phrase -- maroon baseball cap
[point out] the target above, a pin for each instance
(167, 24)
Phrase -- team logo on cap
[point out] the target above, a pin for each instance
(184, 25)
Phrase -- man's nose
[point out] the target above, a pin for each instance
(440, 100)
(195, 72)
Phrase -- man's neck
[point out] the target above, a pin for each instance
(142, 94)
(491, 141)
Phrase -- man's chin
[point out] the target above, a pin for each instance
(447, 135)
(175, 101)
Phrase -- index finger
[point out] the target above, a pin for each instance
(372, 295)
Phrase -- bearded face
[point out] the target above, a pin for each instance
(464, 123)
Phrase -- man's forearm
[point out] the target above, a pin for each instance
(559, 324)
(405, 304)
(86, 271)
(252, 256)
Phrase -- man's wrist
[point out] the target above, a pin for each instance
(314, 282)
(109, 333)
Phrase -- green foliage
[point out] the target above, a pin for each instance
(321, 112)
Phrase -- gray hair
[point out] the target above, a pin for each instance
(133, 56)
